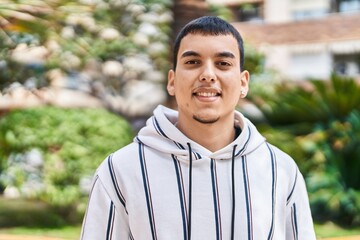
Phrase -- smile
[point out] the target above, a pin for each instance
(207, 94)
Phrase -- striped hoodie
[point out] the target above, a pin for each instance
(165, 186)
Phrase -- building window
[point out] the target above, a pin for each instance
(309, 14)
(309, 65)
(347, 64)
(345, 5)
(249, 12)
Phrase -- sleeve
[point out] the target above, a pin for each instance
(104, 219)
(299, 223)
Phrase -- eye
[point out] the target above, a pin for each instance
(190, 62)
(223, 64)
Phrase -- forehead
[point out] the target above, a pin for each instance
(209, 44)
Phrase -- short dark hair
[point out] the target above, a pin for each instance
(208, 25)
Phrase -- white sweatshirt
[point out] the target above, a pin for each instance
(155, 189)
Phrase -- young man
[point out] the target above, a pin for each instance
(204, 171)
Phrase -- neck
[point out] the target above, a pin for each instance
(213, 137)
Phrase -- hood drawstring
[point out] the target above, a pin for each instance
(233, 193)
(190, 190)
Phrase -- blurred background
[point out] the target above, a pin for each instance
(79, 78)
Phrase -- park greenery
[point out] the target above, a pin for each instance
(50, 153)
(318, 124)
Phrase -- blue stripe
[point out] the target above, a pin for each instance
(216, 200)
(131, 236)
(292, 190)
(245, 144)
(158, 128)
(273, 172)
(147, 191)
(181, 196)
(247, 197)
(115, 182)
(179, 145)
(110, 225)
(294, 220)
(162, 133)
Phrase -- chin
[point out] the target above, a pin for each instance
(206, 120)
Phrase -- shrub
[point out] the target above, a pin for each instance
(318, 124)
(317, 101)
(335, 191)
(51, 153)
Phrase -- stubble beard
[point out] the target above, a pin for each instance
(205, 121)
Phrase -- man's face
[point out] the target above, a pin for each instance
(207, 83)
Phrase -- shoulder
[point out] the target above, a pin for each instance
(287, 169)
(117, 170)
(122, 158)
(283, 159)
(289, 175)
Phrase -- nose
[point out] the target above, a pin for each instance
(208, 73)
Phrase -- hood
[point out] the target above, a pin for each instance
(161, 134)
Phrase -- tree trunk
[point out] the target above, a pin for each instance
(187, 10)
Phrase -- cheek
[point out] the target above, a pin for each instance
(182, 85)
(233, 89)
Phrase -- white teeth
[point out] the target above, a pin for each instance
(206, 94)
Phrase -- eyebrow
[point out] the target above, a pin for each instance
(190, 53)
(225, 54)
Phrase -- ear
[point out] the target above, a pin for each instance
(171, 83)
(244, 82)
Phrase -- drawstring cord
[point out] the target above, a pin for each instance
(190, 190)
(233, 193)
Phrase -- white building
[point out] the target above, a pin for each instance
(302, 38)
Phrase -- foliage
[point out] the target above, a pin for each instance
(51, 153)
(336, 189)
(254, 61)
(26, 22)
(318, 123)
(109, 45)
(316, 101)
(221, 11)
(299, 147)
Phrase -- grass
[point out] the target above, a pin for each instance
(28, 213)
(67, 233)
(330, 229)
(34, 218)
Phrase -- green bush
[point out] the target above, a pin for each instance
(50, 153)
(318, 124)
(317, 101)
(335, 191)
